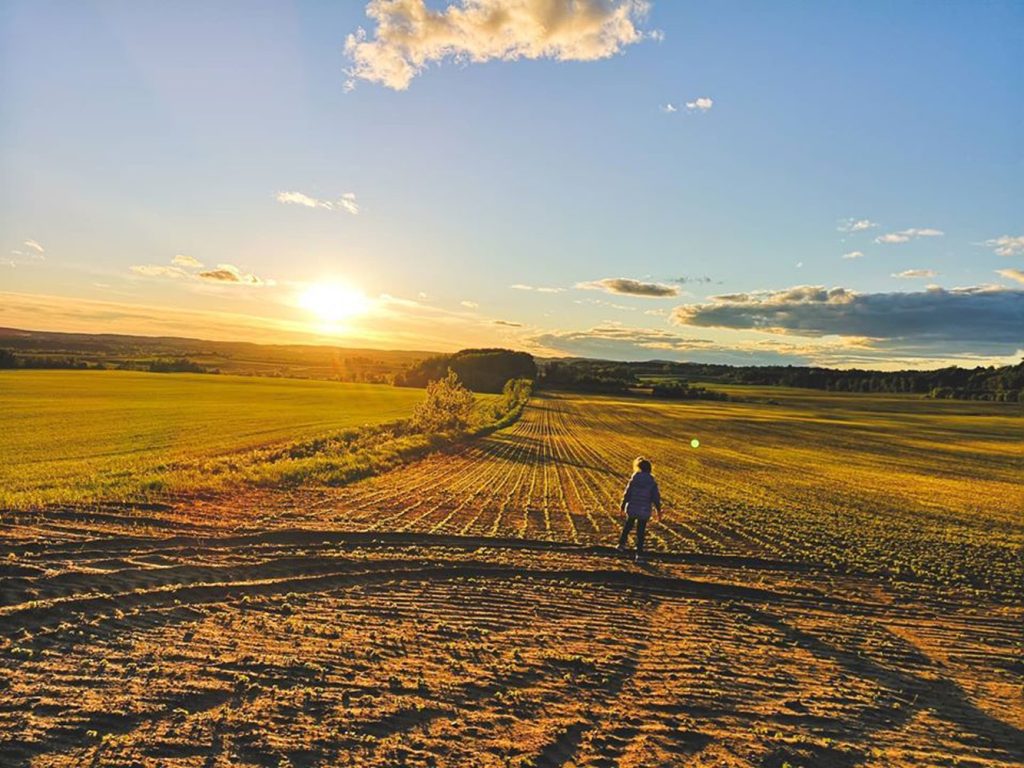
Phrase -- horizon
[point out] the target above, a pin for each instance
(434, 352)
(621, 180)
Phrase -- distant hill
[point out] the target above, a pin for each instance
(45, 349)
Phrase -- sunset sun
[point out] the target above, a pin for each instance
(333, 302)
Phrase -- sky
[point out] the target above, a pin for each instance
(739, 182)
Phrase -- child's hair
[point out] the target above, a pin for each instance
(640, 464)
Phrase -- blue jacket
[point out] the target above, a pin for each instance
(641, 494)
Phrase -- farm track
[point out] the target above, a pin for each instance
(467, 610)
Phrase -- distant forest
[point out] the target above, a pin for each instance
(1004, 384)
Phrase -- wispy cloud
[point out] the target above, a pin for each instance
(184, 267)
(229, 273)
(35, 247)
(853, 255)
(855, 225)
(1007, 245)
(409, 35)
(970, 315)
(629, 287)
(685, 279)
(158, 270)
(469, 304)
(615, 338)
(907, 235)
(701, 104)
(1012, 274)
(508, 323)
(347, 202)
(669, 108)
(537, 288)
(915, 273)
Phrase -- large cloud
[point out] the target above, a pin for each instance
(409, 35)
(629, 287)
(980, 314)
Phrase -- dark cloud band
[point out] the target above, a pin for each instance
(976, 314)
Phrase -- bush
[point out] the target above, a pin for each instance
(447, 406)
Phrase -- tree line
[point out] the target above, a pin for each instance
(669, 379)
(9, 360)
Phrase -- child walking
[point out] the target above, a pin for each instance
(640, 496)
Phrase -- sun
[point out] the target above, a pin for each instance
(333, 302)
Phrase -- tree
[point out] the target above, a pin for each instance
(447, 406)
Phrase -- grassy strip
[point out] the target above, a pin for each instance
(334, 460)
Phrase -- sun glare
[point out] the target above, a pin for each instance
(333, 302)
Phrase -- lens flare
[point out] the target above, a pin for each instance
(695, 443)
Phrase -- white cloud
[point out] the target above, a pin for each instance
(916, 273)
(347, 202)
(35, 247)
(908, 234)
(853, 255)
(539, 289)
(1007, 245)
(409, 36)
(469, 304)
(669, 108)
(855, 225)
(702, 104)
(181, 260)
(1012, 274)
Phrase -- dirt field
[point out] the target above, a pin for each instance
(824, 591)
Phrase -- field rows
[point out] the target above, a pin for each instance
(327, 648)
(558, 475)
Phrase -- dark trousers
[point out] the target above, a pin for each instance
(641, 531)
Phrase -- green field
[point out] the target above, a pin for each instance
(70, 436)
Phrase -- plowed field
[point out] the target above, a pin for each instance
(833, 583)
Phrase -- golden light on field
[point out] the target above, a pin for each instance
(333, 302)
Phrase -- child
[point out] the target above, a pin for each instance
(641, 494)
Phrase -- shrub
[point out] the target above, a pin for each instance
(447, 406)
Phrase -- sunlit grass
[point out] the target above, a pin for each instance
(78, 435)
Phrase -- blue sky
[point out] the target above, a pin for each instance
(135, 133)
